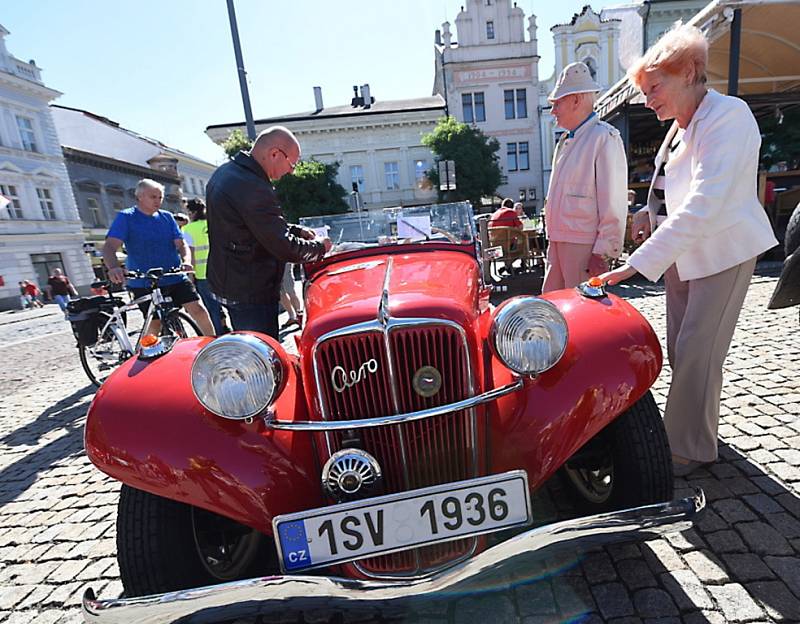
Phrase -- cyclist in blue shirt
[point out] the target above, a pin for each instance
(152, 240)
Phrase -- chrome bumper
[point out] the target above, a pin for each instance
(281, 595)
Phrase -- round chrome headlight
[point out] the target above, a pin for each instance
(236, 376)
(529, 335)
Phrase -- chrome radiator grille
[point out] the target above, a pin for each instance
(415, 454)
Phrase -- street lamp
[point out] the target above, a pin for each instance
(237, 50)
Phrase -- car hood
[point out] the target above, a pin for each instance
(437, 284)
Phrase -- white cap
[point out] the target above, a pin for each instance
(574, 78)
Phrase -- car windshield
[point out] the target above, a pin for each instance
(441, 223)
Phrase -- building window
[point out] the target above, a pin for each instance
(392, 172)
(522, 103)
(524, 162)
(511, 157)
(95, 214)
(473, 106)
(26, 134)
(490, 29)
(357, 178)
(516, 103)
(517, 157)
(421, 172)
(14, 208)
(116, 205)
(46, 203)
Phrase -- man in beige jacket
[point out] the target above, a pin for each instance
(587, 197)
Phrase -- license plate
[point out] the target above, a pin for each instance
(385, 524)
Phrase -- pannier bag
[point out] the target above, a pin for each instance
(84, 315)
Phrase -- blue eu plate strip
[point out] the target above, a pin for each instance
(294, 545)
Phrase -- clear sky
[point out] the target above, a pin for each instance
(166, 69)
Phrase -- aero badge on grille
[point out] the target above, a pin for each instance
(341, 380)
(427, 381)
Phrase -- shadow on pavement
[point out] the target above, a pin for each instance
(66, 414)
(63, 413)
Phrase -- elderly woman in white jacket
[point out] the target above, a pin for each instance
(706, 243)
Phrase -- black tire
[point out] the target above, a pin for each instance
(180, 324)
(792, 238)
(628, 464)
(102, 358)
(164, 545)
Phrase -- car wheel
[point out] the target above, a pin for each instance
(164, 545)
(628, 464)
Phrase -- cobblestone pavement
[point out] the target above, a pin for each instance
(740, 563)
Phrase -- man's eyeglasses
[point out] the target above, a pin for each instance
(288, 160)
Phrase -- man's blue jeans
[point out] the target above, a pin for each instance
(260, 317)
(211, 304)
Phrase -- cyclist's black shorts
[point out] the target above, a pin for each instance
(181, 293)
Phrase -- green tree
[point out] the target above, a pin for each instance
(236, 141)
(477, 171)
(311, 190)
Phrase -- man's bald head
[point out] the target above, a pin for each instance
(277, 151)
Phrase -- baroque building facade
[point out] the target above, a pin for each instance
(489, 77)
(40, 228)
(378, 144)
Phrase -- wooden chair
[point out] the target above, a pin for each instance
(512, 241)
(536, 245)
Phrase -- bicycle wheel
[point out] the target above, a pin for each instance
(102, 358)
(180, 324)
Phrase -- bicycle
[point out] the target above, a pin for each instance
(100, 324)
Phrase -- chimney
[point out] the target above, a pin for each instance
(318, 98)
(437, 37)
(368, 100)
(356, 101)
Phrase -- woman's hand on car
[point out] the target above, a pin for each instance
(618, 275)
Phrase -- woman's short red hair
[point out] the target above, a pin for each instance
(678, 49)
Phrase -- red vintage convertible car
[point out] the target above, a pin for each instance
(372, 466)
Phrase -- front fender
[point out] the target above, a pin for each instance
(612, 358)
(146, 428)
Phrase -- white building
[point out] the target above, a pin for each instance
(39, 224)
(490, 78)
(91, 133)
(591, 38)
(377, 143)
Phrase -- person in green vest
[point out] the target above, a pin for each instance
(195, 234)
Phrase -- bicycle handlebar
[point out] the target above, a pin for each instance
(152, 275)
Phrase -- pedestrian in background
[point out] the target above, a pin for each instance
(60, 288)
(181, 219)
(249, 237)
(33, 292)
(707, 245)
(196, 236)
(24, 298)
(289, 299)
(508, 215)
(587, 196)
(153, 240)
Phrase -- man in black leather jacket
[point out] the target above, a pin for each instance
(249, 240)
